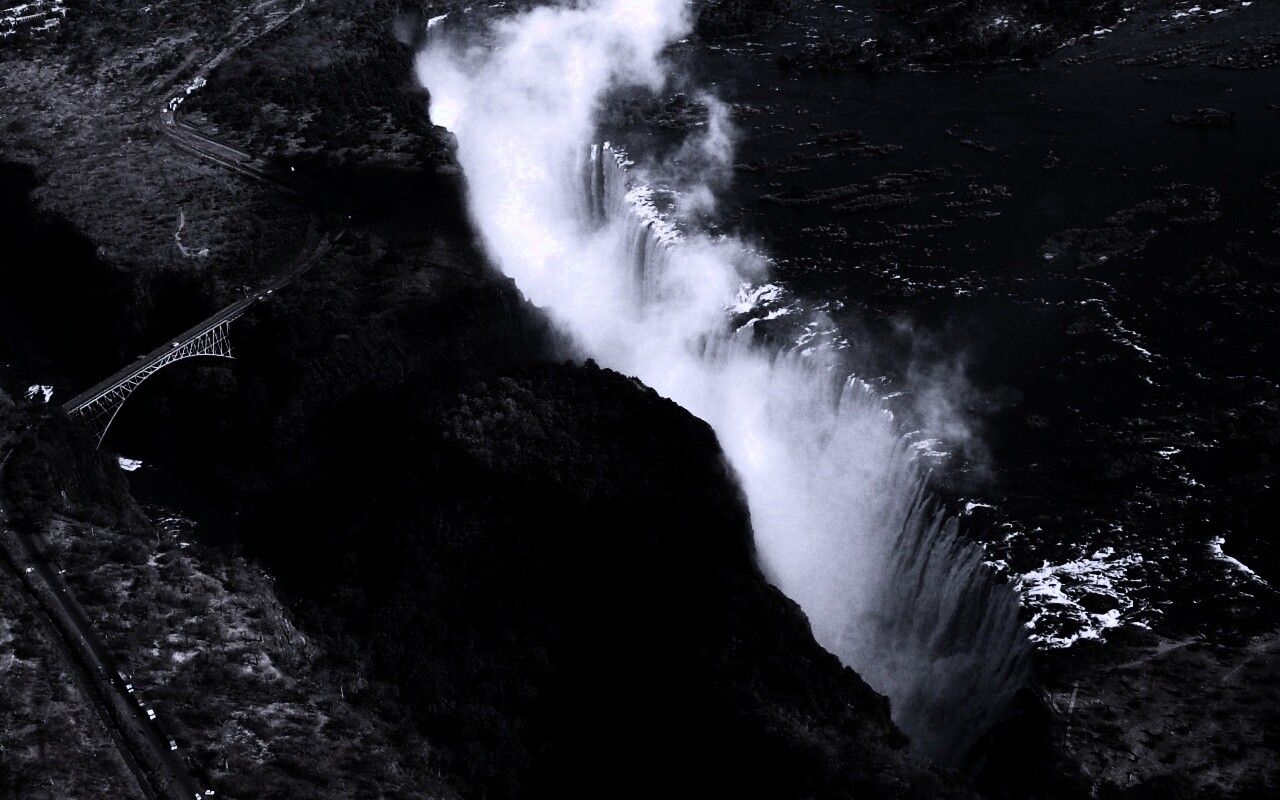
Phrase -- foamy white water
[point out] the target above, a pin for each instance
(842, 519)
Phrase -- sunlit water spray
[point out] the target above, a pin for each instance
(843, 521)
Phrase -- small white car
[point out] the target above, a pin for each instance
(173, 743)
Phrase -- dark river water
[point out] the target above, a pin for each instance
(1065, 277)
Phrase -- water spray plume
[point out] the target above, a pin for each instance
(842, 518)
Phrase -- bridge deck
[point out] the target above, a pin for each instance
(123, 375)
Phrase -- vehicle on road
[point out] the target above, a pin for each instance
(125, 682)
(173, 743)
(151, 712)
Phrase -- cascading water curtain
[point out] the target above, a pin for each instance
(842, 518)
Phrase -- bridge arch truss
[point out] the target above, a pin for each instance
(98, 406)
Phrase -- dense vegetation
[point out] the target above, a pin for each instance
(96, 31)
(336, 81)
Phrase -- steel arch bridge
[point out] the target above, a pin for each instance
(99, 405)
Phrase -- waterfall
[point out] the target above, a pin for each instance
(843, 520)
(929, 624)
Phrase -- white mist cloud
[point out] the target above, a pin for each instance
(943, 400)
(841, 522)
(944, 403)
(523, 111)
(702, 166)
